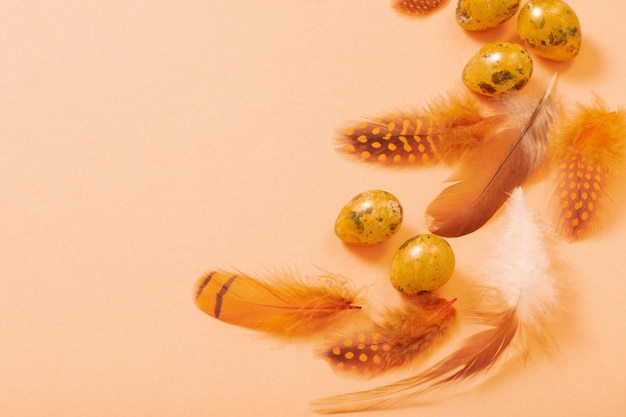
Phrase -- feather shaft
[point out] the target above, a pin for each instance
(287, 308)
(441, 133)
(484, 182)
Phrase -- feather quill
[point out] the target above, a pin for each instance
(440, 133)
(520, 297)
(587, 150)
(403, 335)
(483, 183)
(286, 307)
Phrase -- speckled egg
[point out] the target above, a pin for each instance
(369, 218)
(550, 28)
(423, 263)
(484, 14)
(498, 69)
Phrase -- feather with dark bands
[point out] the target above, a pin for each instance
(285, 307)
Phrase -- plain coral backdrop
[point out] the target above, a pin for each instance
(143, 143)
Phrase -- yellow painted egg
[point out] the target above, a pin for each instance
(484, 14)
(369, 218)
(550, 28)
(423, 263)
(498, 69)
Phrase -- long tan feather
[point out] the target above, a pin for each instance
(286, 307)
(484, 182)
(402, 335)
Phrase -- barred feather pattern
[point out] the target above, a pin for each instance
(286, 307)
(588, 150)
(441, 133)
(401, 336)
(519, 298)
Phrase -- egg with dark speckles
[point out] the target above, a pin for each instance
(498, 69)
(423, 263)
(484, 14)
(550, 29)
(369, 218)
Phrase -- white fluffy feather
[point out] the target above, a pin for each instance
(519, 269)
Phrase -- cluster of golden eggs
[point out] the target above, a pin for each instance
(423, 263)
(547, 28)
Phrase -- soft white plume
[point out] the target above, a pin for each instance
(519, 269)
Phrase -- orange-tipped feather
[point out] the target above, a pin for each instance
(286, 308)
(588, 150)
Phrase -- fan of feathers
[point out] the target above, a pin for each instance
(494, 147)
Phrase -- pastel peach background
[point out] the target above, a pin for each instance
(143, 143)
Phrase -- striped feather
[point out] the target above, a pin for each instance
(285, 307)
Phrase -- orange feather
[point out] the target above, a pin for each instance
(286, 308)
(587, 150)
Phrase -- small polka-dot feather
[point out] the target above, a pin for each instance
(588, 150)
(402, 335)
(417, 7)
(442, 133)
